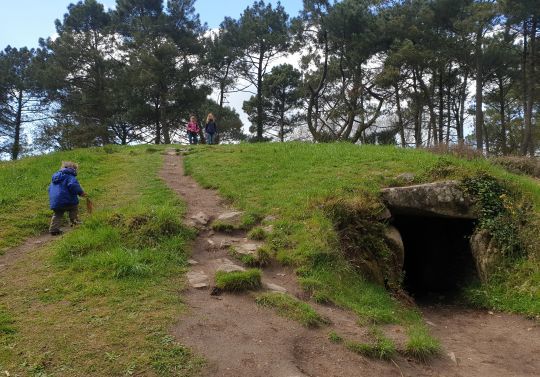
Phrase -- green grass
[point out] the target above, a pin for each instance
(292, 308)
(381, 348)
(261, 258)
(421, 345)
(238, 281)
(257, 233)
(6, 323)
(335, 337)
(101, 299)
(515, 289)
(24, 204)
(293, 181)
(219, 226)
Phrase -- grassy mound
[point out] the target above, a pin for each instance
(303, 187)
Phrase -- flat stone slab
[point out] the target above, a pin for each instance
(227, 265)
(274, 287)
(268, 228)
(247, 248)
(200, 285)
(197, 279)
(201, 218)
(230, 216)
(232, 219)
(439, 199)
(225, 244)
(211, 245)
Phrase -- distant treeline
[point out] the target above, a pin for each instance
(413, 72)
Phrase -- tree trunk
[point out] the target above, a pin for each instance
(259, 98)
(502, 106)
(157, 114)
(166, 133)
(441, 108)
(313, 103)
(222, 91)
(448, 111)
(527, 146)
(282, 117)
(417, 115)
(400, 117)
(431, 108)
(479, 120)
(461, 121)
(16, 148)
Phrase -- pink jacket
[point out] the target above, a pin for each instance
(193, 127)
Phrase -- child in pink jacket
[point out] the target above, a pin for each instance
(193, 130)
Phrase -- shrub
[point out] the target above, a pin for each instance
(519, 164)
(501, 212)
(460, 150)
(238, 281)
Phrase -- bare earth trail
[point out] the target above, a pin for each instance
(11, 256)
(239, 338)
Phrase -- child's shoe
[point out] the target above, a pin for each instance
(76, 222)
(56, 232)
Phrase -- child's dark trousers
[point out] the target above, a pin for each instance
(58, 215)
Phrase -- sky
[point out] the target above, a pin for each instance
(23, 22)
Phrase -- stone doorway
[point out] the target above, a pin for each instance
(438, 260)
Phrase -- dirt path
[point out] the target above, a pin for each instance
(13, 255)
(238, 338)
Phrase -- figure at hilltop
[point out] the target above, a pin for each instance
(210, 129)
(64, 192)
(193, 130)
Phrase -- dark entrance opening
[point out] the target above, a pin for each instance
(438, 258)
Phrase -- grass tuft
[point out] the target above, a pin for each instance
(218, 226)
(381, 348)
(237, 281)
(261, 258)
(6, 323)
(335, 337)
(421, 345)
(292, 308)
(257, 233)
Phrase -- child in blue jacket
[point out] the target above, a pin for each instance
(64, 192)
(210, 129)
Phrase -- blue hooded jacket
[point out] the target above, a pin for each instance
(64, 189)
(211, 127)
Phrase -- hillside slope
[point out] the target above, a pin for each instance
(99, 300)
(295, 181)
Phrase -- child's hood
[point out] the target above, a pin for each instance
(61, 175)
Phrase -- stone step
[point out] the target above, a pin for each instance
(197, 279)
